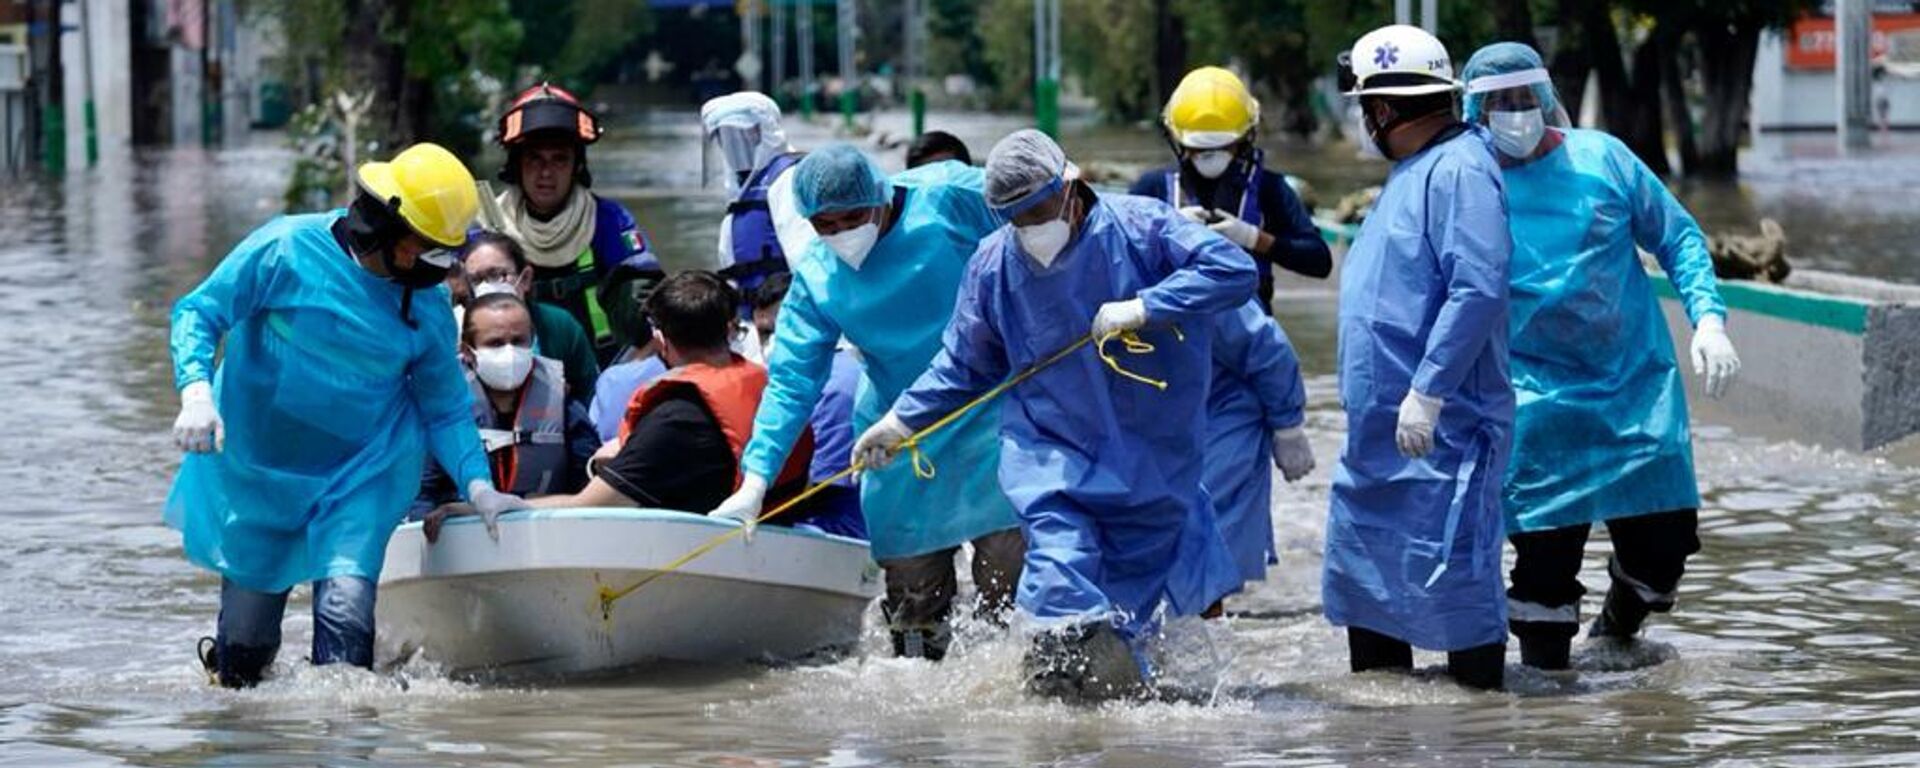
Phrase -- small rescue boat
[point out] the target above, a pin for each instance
(531, 605)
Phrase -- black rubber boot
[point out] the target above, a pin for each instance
(1621, 616)
(1368, 650)
(1551, 653)
(234, 666)
(1087, 664)
(1483, 667)
(926, 644)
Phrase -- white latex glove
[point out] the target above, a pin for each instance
(1195, 213)
(1117, 316)
(1713, 355)
(490, 504)
(1292, 454)
(198, 428)
(745, 504)
(1418, 414)
(1231, 227)
(877, 446)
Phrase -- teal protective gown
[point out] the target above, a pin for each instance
(331, 404)
(1601, 424)
(893, 309)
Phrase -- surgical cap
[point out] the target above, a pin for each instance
(1505, 59)
(837, 178)
(1023, 169)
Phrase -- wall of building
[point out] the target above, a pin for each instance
(1803, 99)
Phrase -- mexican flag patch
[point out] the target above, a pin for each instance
(632, 239)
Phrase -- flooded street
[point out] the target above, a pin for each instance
(1793, 644)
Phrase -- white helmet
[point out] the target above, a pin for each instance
(1400, 60)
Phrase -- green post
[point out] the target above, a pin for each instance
(1046, 106)
(849, 99)
(93, 135)
(53, 129)
(917, 102)
(806, 103)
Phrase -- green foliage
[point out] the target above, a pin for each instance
(597, 32)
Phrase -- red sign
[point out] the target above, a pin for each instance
(1811, 40)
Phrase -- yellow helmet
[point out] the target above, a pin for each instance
(438, 199)
(1210, 109)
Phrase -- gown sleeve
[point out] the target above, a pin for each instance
(1467, 224)
(1663, 227)
(1209, 273)
(1252, 345)
(236, 289)
(797, 371)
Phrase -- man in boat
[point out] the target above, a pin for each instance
(538, 441)
(336, 375)
(762, 226)
(575, 239)
(1413, 528)
(832, 421)
(1104, 468)
(1600, 433)
(1220, 179)
(680, 444)
(495, 263)
(883, 276)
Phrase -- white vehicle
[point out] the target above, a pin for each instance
(531, 605)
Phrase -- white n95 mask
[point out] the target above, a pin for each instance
(1517, 134)
(1212, 163)
(492, 287)
(853, 245)
(504, 368)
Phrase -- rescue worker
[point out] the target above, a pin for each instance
(1104, 469)
(884, 275)
(336, 376)
(762, 225)
(1413, 533)
(537, 440)
(1220, 179)
(574, 238)
(1600, 434)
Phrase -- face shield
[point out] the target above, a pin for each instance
(1517, 108)
(729, 153)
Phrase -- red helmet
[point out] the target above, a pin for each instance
(547, 107)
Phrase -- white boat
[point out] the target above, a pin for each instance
(531, 606)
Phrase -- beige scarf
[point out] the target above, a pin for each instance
(556, 242)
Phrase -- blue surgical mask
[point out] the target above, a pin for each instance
(1517, 134)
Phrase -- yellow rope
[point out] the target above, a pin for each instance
(1130, 340)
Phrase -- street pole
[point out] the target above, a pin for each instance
(777, 47)
(86, 74)
(1046, 66)
(749, 41)
(846, 26)
(916, 96)
(1403, 11)
(1430, 16)
(53, 95)
(803, 37)
(1853, 26)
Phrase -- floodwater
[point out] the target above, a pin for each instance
(1794, 643)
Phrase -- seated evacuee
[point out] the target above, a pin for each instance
(632, 369)
(681, 440)
(495, 263)
(537, 441)
(838, 506)
(937, 146)
(1105, 471)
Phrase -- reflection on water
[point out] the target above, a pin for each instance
(1793, 644)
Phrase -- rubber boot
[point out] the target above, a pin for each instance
(1621, 616)
(234, 666)
(1483, 667)
(1368, 650)
(1087, 664)
(1552, 653)
(929, 644)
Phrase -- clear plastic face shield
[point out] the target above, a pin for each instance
(1517, 108)
(729, 152)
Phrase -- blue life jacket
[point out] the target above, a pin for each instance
(756, 245)
(530, 457)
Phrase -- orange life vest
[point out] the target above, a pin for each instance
(732, 395)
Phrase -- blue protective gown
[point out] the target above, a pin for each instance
(1105, 470)
(893, 308)
(1601, 428)
(1413, 545)
(331, 404)
(1257, 390)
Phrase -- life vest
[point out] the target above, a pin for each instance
(1244, 186)
(531, 457)
(756, 243)
(732, 395)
